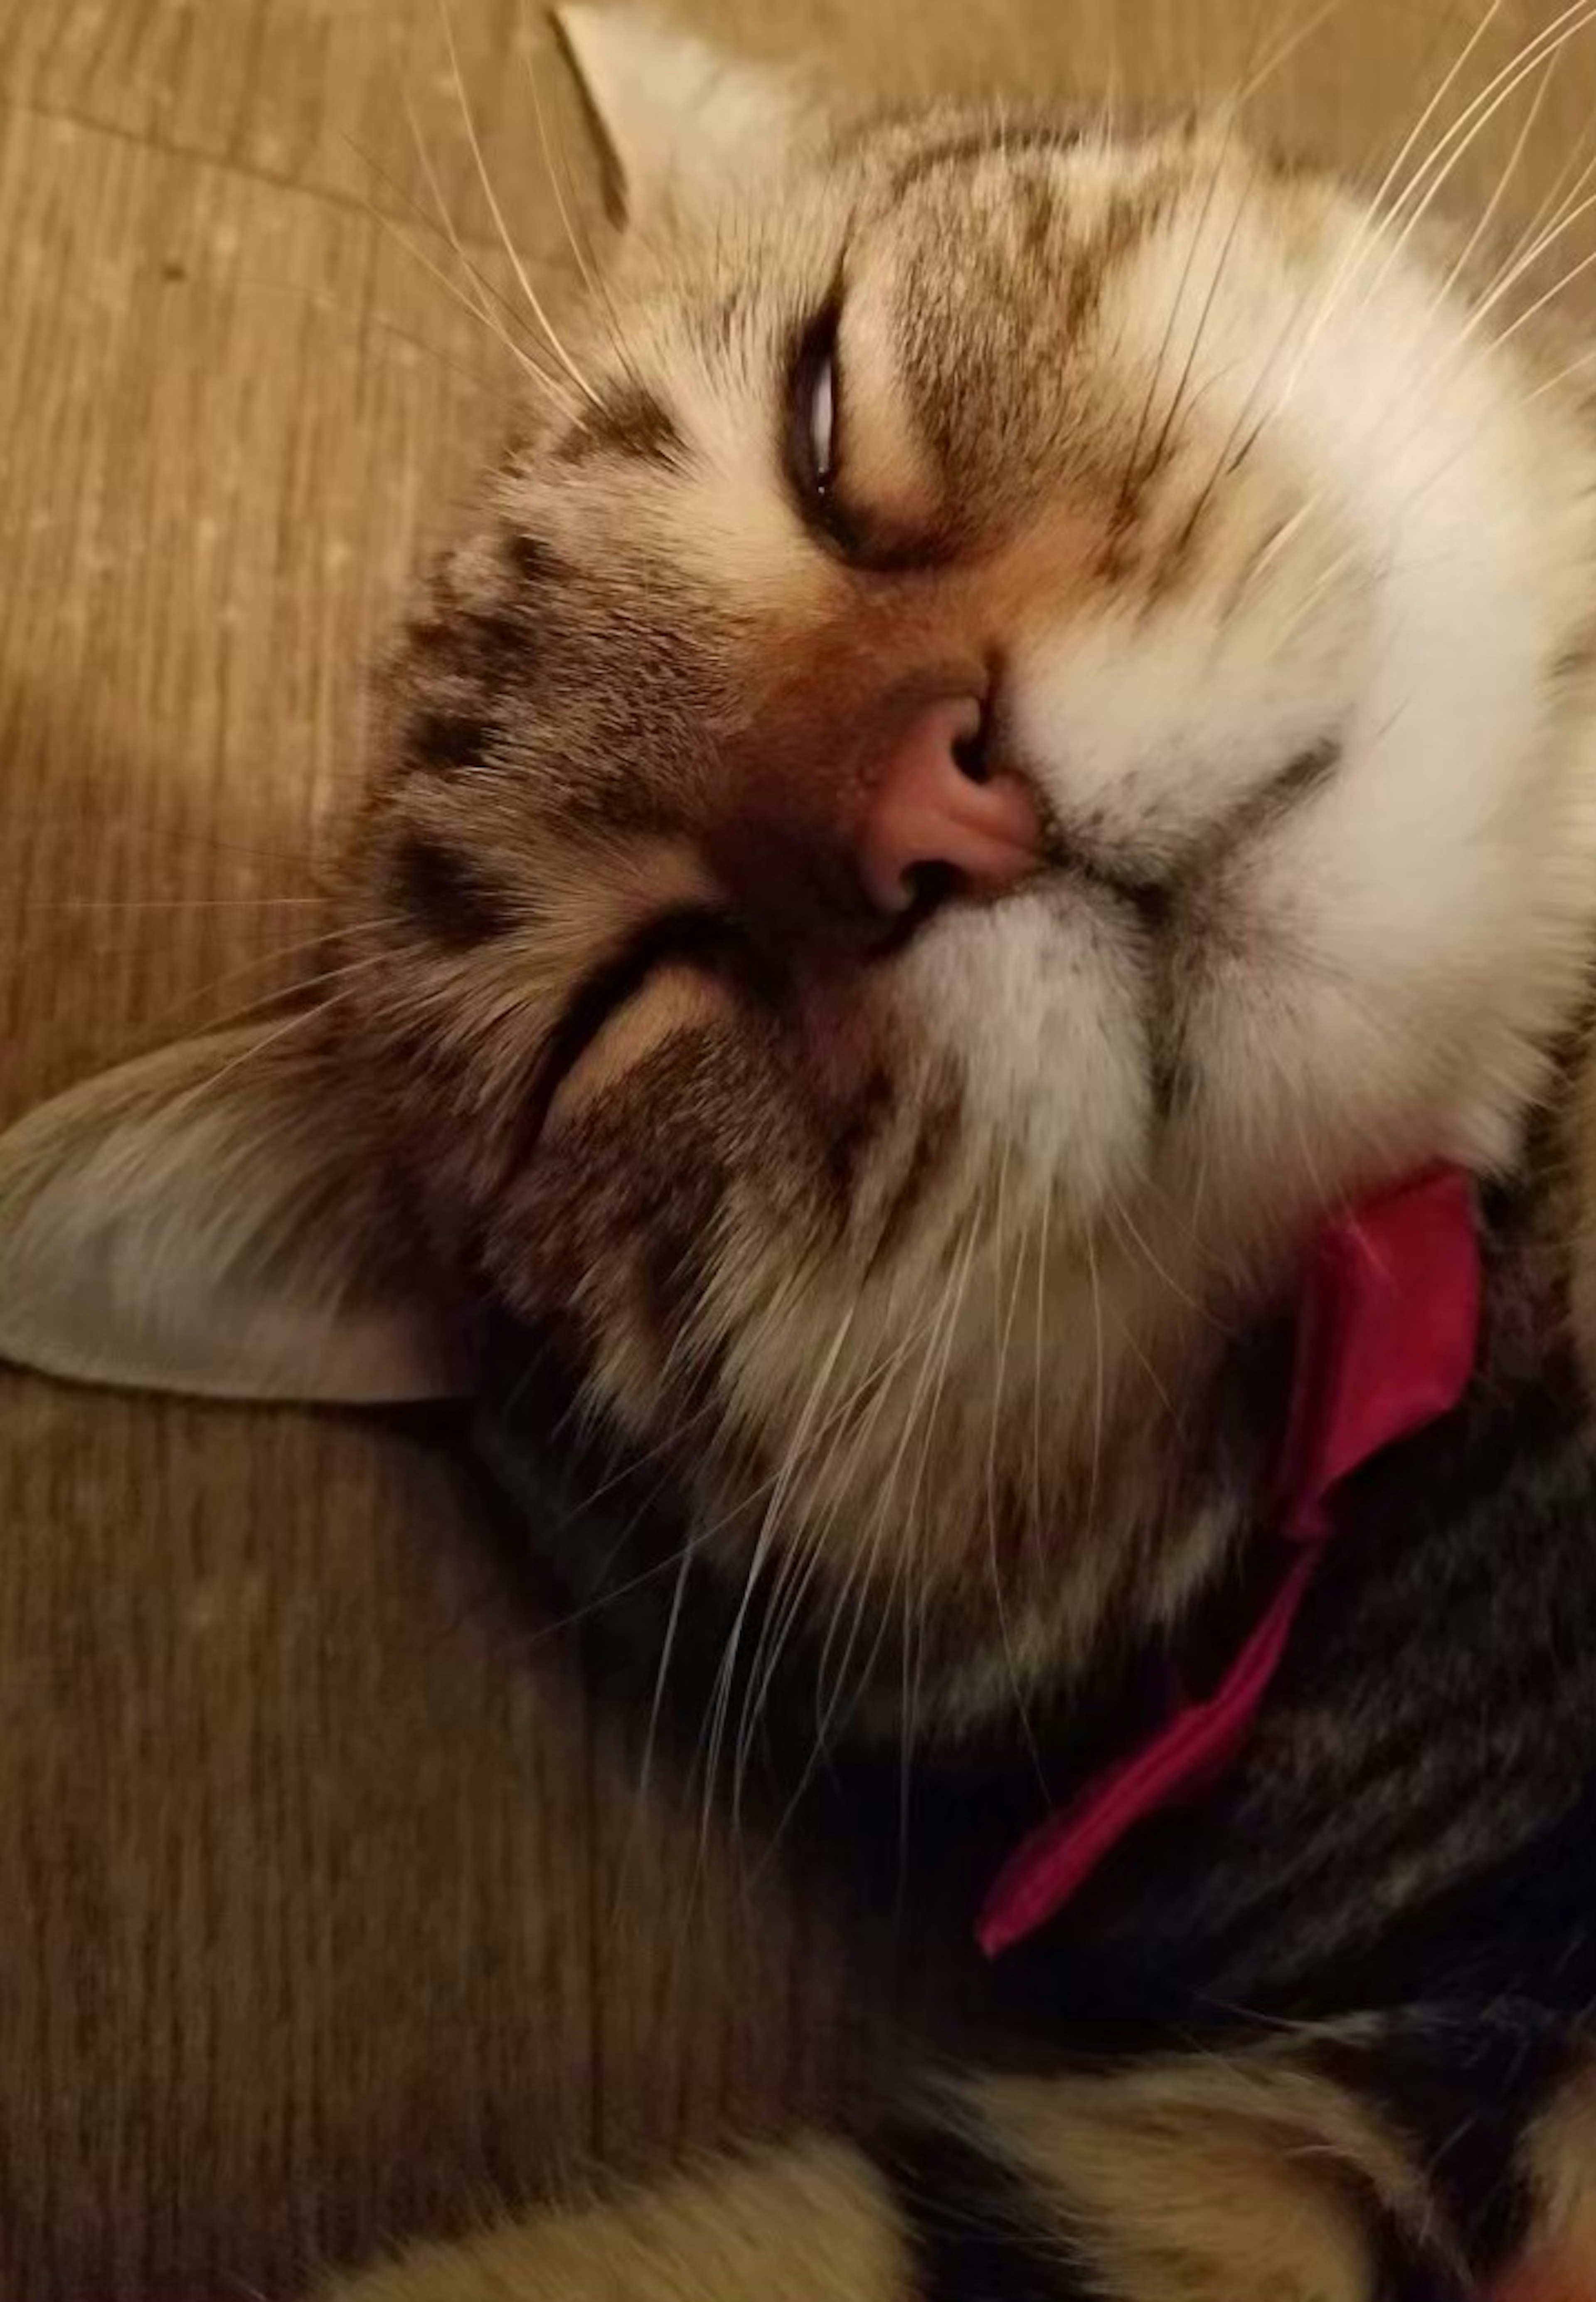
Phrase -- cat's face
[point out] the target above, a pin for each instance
(1017, 734)
(1214, 525)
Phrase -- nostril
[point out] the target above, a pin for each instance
(938, 822)
(930, 886)
(925, 888)
(970, 751)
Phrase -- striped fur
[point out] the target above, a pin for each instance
(1397, 1886)
(932, 1276)
(1248, 2177)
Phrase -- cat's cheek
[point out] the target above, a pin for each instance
(1301, 1078)
(682, 1107)
(1041, 1008)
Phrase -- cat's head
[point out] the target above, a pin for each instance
(1018, 725)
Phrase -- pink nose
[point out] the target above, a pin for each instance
(926, 811)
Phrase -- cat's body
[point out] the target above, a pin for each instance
(1375, 1938)
(1433, 1719)
(1021, 730)
(1324, 2033)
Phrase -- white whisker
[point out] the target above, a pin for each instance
(1037, 1389)
(1505, 286)
(486, 292)
(999, 1386)
(863, 1572)
(1449, 80)
(1487, 104)
(1365, 243)
(404, 338)
(1563, 375)
(479, 312)
(1565, 188)
(770, 1526)
(584, 266)
(1487, 213)
(1285, 49)
(533, 301)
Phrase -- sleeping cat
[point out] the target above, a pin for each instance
(1014, 753)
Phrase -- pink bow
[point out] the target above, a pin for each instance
(1385, 1344)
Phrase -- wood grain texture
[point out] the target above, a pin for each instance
(329, 1907)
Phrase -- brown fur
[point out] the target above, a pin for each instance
(1251, 2179)
(941, 1262)
(693, 714)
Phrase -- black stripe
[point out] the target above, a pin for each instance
(536, 564)
(860, 1129)
(1408, 2268)
(972, 145)
(976, 2228)
(448, 896)
(495, 637)
(446, 741)
(1463, 2093)
(465, 643)
(978, 2233)
(628, 423)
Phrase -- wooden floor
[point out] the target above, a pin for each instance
(329, 1907)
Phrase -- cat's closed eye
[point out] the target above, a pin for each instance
(696, 940)
(814, 407)
(812, 427)
(857, 463)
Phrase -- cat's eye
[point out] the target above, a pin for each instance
(818, 428)
(812, 419)
(822, 415)
(695, 936)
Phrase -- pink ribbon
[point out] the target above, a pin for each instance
(1386, 1341)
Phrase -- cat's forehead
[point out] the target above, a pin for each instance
(1000, 288)
(953, 221)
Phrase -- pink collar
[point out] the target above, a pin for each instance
(1385, 1344)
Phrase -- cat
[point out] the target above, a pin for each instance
(1016, 741)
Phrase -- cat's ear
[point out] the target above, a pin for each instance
(683, 122)
(199, 1220)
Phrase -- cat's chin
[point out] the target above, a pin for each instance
(1042, 1010)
